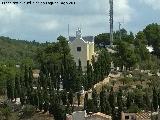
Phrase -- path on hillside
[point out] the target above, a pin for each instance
(99, 85)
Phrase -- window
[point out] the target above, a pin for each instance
(79, 49)
(126, 117)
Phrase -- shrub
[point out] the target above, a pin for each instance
(28, 111)
(5, 112)
(133, 109)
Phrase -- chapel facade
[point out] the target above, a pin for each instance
(82, 48)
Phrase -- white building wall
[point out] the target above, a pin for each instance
(82, 55)
(91, 51)
(79, 115)
(87, 50)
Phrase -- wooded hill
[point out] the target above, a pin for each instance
(14, 51)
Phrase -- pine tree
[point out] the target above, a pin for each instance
(104, 63)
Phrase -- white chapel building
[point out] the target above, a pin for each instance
(82, 48)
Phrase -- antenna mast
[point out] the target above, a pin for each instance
(68, 31)
(120, 30)
(111, 21)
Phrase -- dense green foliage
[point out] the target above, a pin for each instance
(14, 52)
(57, 68)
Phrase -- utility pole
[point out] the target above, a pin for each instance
(111, 21)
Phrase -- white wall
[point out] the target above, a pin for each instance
(82, 55)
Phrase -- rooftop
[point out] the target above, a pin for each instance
(85, 38)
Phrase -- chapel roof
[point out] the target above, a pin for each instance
(85, 38)
(79, 36)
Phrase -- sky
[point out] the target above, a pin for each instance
(44, 22)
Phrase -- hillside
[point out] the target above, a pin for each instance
(17, 51)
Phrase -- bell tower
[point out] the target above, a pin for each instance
(79, 33)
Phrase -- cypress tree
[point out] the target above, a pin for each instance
(155, 99)
(90, 106)
(42, 79)
(46, 101)
(36, 99)
(111, 100)
(85, 101)
(64, 97)
(26, 82)
(89, 75)
(94, 99)
(58, 79)
(108, 108)
(59, 112)
(79, 77)
(139, 99)
(17, 87)
(129, 100)
(70, 97)
(68, 108)
(53, 77)
(41, 101)
(22, 95)
(120, 103)
(30, 78)
(10, 89)
(22, 91)
(159, 98)
(115, 115)
(102, 101)
(146, 100)
(79, 98)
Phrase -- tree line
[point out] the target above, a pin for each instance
(57, 68)
(112, 102)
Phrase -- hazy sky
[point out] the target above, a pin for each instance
(45, 22)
